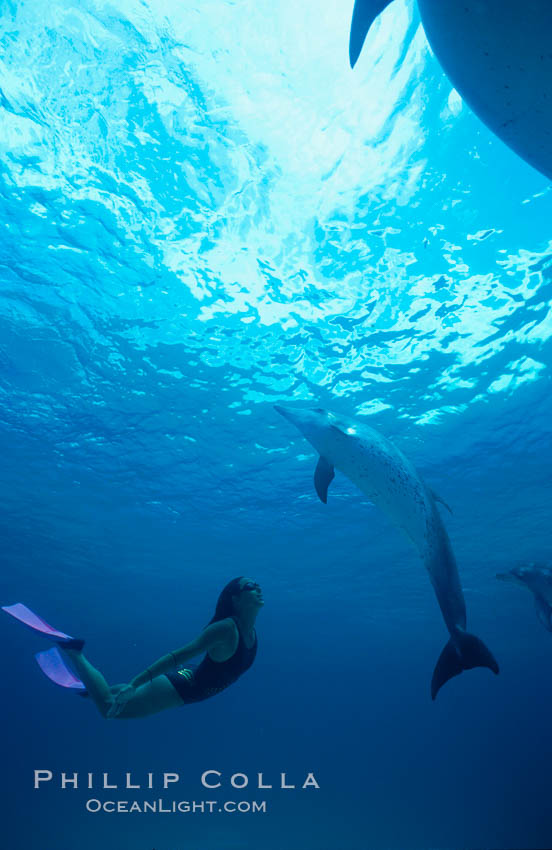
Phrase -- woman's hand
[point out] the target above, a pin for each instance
(121, 695)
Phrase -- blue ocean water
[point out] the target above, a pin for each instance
(206, 212)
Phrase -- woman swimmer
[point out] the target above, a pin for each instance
(229, 642)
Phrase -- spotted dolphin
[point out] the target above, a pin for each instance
(390, 481)
(538, 579)
(497, 55)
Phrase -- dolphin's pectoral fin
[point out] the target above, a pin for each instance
(544, 612)
(323, 477)
(437, 498)
(364, 15)
(472, 652)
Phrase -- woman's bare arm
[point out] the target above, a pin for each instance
(215, 634)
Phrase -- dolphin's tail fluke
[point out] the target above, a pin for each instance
(467, 652)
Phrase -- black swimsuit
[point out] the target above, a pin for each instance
(210, 677)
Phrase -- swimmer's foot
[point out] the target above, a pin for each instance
(76, 644)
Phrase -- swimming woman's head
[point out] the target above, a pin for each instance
(241, 595)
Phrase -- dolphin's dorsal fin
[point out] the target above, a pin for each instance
(323, 477)
(437, 498)
(364, 15)
(543, 611)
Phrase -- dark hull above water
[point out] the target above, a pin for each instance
(498, 56)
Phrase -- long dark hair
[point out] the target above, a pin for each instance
(225, 606)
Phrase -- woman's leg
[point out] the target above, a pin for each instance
(98, 689)
(150, 698)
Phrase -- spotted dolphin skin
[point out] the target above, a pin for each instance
(497, 55)
(390, 481)
(538, 579)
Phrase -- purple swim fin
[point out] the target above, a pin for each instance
(25, 615)
(52, 665)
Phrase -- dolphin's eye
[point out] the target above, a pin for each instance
(319, 410)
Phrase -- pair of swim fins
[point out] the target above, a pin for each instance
(50, 661)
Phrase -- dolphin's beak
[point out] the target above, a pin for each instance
(505, 577)
(286, 413)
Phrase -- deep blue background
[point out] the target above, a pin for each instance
(205, 212)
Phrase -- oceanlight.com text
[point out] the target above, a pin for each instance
(161, 806)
